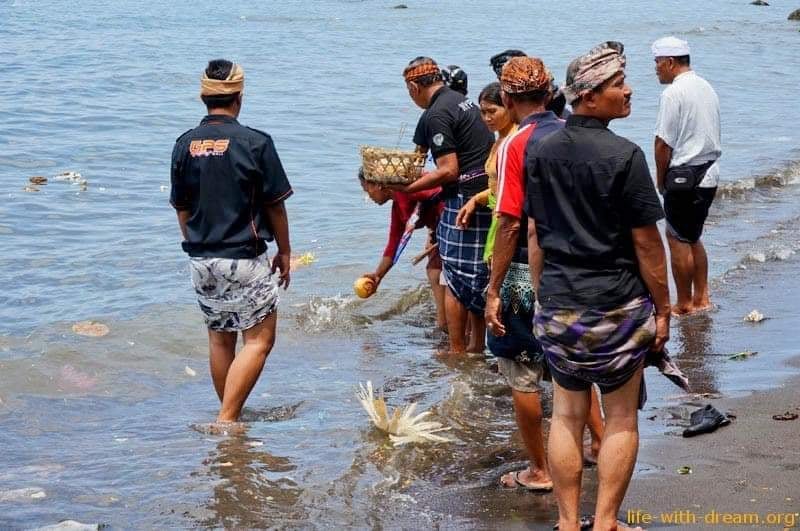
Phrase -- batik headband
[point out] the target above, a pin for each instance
(522, 75)
(233, 84)
(413, 73)
(591, 70)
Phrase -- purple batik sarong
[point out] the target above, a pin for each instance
(589, 346)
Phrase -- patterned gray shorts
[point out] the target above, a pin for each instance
(234, 294)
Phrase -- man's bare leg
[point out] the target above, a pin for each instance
(528, 413)
(477, 333)
(700, 296)
(438, 297)
(221, 351)
(565, 452)
(682, 271)
(595, 423)
(456, 322)
(246, 367)
(618, 451)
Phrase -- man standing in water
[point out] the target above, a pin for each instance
(525, 84)
(599, 270)
(687, 147)
(451, 127)
(228, 187)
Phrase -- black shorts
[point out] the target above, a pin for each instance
(573, 383)
(687, 212)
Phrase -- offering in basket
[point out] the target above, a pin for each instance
(391, 166)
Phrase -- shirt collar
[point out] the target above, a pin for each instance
(436, 95)
(578, 120)
(537, 117)
(218, 118)
(683, 74)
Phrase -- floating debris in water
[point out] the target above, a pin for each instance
(90, 328)
(76, 378)
(30, 188)
(401, 426)
(754, 317)
(189, 371)
(71, 525)
(303, 260)
(164, 188)
(743, 355)
(784, 254)
(757, 257)
(38, 180)
(20, 494)
(70, 177)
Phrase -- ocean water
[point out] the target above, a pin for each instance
(101, 426)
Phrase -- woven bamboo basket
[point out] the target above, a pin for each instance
(391, 166)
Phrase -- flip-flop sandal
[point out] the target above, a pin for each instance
(586, 522)
(541, 487)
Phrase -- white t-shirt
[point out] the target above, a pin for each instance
(688, 121)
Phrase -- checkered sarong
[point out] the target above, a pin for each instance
(601, 347)
(461, 251)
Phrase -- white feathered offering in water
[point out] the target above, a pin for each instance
(401, 426)
(754, 317)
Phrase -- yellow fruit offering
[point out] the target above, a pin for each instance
(364, 287)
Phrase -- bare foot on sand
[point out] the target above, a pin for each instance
(680, 311)
(534, 480)
(702, 307)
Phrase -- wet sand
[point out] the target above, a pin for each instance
(751, 466)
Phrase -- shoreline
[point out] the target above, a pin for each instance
(746, 473)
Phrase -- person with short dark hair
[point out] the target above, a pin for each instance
(455, 78)
(498, 60)
(687, 148)
(229, 188)
(452, 129)
(598, 267)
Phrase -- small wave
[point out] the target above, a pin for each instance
(780, 178)
(329, 313)
(322, 314)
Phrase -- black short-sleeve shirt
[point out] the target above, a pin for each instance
(224, 174)
(452, 124)
(587, 188)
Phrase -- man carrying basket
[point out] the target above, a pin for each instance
(452, 129)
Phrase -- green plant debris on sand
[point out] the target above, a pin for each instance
(685, 470)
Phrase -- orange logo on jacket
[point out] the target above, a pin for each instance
(207, 148)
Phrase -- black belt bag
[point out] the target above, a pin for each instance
(685, 178)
